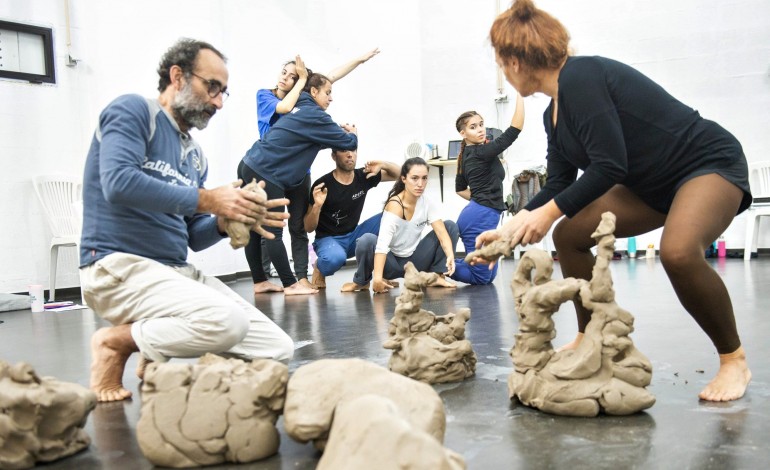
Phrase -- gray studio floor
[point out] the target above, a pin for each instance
(482, 424)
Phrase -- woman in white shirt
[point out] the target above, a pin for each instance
(407, 213)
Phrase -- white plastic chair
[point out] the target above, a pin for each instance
(61, 197)
(759, 179)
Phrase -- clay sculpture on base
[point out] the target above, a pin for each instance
(239, 232)
(316, 389)
(218, 410)
(425, 346)
(371, 432)
(605, 372)
(41, 419)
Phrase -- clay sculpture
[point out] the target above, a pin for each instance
(371, 432)
(238, 231)
(605, 372)
(427, 347)
(218, 410)
(41, 418)
(316, 389)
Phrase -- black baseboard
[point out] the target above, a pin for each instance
(73, 293)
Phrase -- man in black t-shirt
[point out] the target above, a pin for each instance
(335, 208)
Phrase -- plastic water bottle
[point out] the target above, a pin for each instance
(631, 247)
(721, 247)
(650, 251)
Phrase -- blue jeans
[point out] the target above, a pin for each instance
(473, 220)
(333, 251)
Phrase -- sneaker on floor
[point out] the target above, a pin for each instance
(318, 280)
(353, 287)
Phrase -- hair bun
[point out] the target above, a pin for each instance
(523, 9)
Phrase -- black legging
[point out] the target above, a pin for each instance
(299, 198)
(275, 247)
(702, 210)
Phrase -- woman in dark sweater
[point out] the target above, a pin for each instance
(282, 159)
(479, 179)
(645, 156)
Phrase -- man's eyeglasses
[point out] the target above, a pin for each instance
(215, 87)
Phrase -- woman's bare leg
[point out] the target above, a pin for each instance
(702, 210)
(573, 242)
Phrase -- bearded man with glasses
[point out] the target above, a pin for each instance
(144, 204)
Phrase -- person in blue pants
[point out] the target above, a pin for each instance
(337, 202)
(479, 179)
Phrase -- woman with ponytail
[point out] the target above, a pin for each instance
(645, 156)
(271, 105)
(479, 179)
(282, 159)
(407, 212)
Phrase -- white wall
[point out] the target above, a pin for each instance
(435, 63)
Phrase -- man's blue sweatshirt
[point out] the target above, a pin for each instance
(286, 153)
(140, 187)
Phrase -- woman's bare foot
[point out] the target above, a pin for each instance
(141, 366)
(442, 281)
(571, 345)
(110, 349)
(265, 287)
(732, 379)
(298, 289)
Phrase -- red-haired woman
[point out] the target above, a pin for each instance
(645, 156)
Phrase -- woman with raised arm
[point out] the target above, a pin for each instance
(282, 159)
(645, 156)
(480, 175)
(407, 212)
(271, 105)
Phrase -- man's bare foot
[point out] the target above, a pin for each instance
(141, 366)
(319, 280)
(353, 287)
(298, 289)
(732, 379)
(265, 287)
(442, 281)
(571, 345)
(110, 349)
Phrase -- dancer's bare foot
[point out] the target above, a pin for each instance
(298, 289)
(141, 366)
(442, 281)
(732, 379)
(110, 349)
(305, 283)
(266, 286)
(353, 287)
(571, 345)
(319, 280)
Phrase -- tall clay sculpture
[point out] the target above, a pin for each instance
(605, 372)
